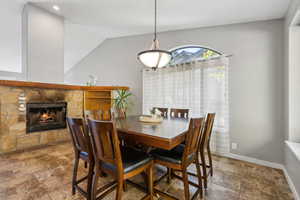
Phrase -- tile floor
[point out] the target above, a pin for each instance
(46, 174)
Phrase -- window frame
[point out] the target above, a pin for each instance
(194, 46)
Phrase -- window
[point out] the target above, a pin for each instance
(189, 53)
(201, 87)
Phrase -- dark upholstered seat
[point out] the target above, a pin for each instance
(84, 155)
(173, 156)
(131, 159)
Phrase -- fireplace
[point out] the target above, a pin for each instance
(45, 116)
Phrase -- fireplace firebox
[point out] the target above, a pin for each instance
(45, 116)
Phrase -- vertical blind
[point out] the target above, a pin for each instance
(201, 86)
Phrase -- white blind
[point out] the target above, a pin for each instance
(201, 87)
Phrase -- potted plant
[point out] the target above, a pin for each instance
(122, 102)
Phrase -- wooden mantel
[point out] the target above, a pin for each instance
(58, 86)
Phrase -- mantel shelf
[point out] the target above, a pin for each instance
(58, 86)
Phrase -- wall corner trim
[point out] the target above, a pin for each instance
(291, 184)
(268, 164)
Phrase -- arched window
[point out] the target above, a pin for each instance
(192, 52)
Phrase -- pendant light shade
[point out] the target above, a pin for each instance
(155, 57)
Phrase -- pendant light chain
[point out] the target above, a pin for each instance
(155, 57)
(155, 23)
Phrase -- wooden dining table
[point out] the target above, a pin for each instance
(165, 135)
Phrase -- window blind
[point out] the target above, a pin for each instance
(201, 87)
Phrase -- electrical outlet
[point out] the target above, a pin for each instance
(234, 145)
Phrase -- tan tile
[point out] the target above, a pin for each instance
(47, 173)
(27, 141)
(8, 143)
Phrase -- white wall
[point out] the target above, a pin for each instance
(294, 82)
(292, 90)
(292, 77)
(256, 77)
(43, 51)
(80, 40)
(10, 37)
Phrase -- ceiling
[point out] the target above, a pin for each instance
(89, 22)
(121, 18)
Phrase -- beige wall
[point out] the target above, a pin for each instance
(256, 77)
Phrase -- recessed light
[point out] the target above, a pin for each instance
(55, 7)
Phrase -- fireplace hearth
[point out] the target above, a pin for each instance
(45, 116)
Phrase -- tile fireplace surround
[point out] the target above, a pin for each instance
(13, 136)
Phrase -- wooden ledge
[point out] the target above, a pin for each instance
(58, 86)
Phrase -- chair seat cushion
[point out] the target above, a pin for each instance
(84, 155)
(132, 159)
(173, 156)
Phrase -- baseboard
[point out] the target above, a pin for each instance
(255, 161)
(268, 164)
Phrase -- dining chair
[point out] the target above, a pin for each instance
(182, 156)
(205, 146)
(83, 151)
(120, 162)
(164, 111)
(179, 113)
(104, 115)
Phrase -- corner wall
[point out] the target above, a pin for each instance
(43, 45)
(292, 166)
(291, 92)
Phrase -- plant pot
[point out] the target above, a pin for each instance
(121, 113)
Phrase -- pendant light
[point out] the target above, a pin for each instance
(155, 57)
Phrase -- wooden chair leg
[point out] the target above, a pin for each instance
(203, 162)
(186, 184)
(90, 181)
(199, 175)
(95, 183)
(169, 176)
(210, 160)
(125, 186)
(119, 189)
(145, 177)
(150, 181)
(75, 170)
(85, 164)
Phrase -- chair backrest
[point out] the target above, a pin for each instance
(79, 135)
(179, 113)
(193, 137)
(209, 122)
(105, 142)
(164, 111)
(103, 115)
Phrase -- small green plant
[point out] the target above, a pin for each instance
(122, 102)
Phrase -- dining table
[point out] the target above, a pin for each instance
(166, 134)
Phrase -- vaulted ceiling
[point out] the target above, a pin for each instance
(116, 18)
(128, 17)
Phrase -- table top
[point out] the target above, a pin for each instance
(167, 134)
